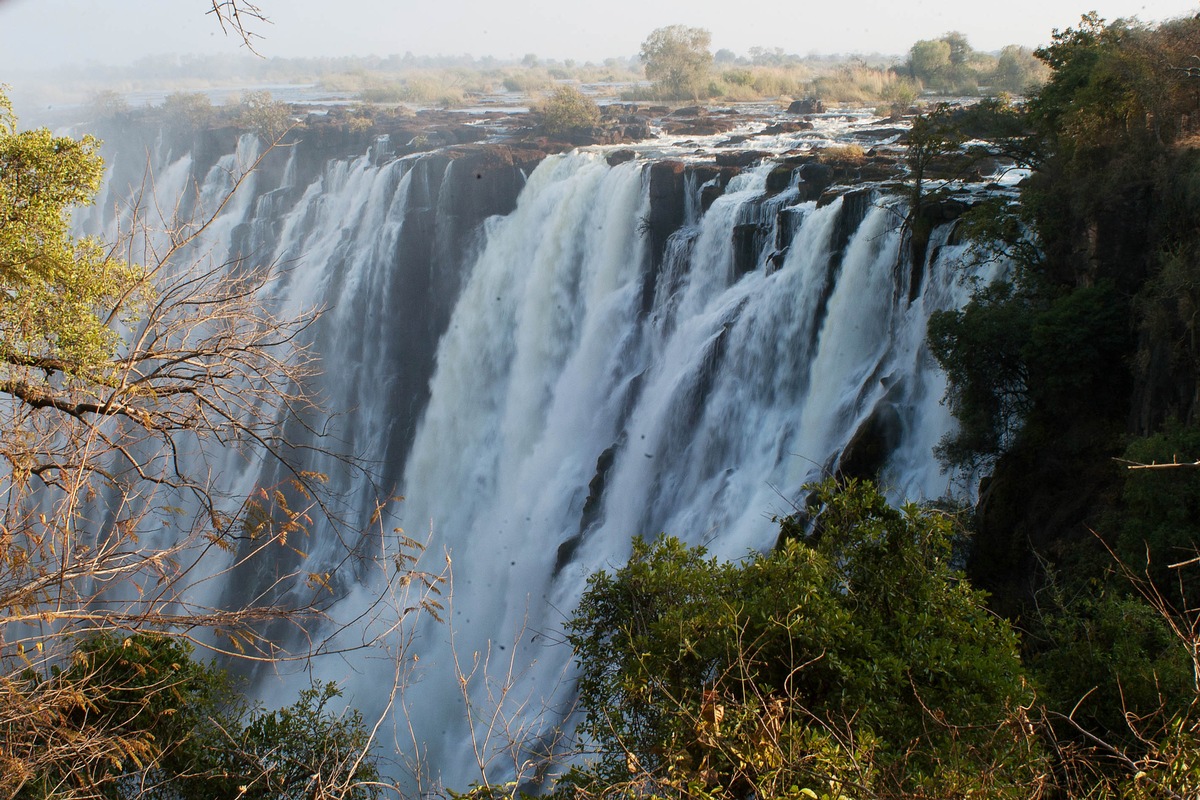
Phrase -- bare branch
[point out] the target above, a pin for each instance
(1154, 465)
(238, 17)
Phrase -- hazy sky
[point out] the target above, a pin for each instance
(52, 32)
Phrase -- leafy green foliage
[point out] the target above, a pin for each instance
(127, 704)
(677, 60)
(950, 65)
(929, 62)
(1091, 649)
(856, 658)
(1087, 350)
(294, 753)
(981, 349)
(1172, 769)
(566, 109)
(1157, 520)
(55, 290)
(1018, 71)
(1053, 351)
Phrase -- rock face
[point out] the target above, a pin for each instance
(636, 129)
(699, 121)
(667, 209)
(871, 444)
(810, 105)
(741, 158)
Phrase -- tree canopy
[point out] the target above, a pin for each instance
(850, 661)
(677, 60)
(54, 289)
(1079, 360)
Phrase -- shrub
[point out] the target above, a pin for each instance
(566, 109)
(842, 154)
(264, 115)
(527, 80)
(167, 726)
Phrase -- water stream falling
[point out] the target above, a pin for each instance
(541, 387)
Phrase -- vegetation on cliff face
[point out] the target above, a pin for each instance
(852, 661)
(1080, 363)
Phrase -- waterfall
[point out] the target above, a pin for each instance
(542, 386)
(563, 419)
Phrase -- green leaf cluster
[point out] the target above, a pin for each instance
(854, 661)
(1019, 363)
(566, 109)
(678, 61)
(58, 294)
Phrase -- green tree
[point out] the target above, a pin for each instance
(566, 109)
(981, 348)
(929, 62)
(854, 660)
(947, 64)
(188, 109)
(678, 61)
(960, 48)
(1017, 71)
(53, 286)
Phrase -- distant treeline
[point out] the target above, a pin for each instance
(944, 65)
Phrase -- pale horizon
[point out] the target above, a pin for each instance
(43, 34)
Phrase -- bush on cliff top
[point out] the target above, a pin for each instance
(566, 109)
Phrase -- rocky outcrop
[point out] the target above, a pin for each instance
(868, 450)
(787, 127)
(632, 129)
(809, 105)
(700, 121)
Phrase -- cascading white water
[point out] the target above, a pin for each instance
(715, 409)
(563, 418)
